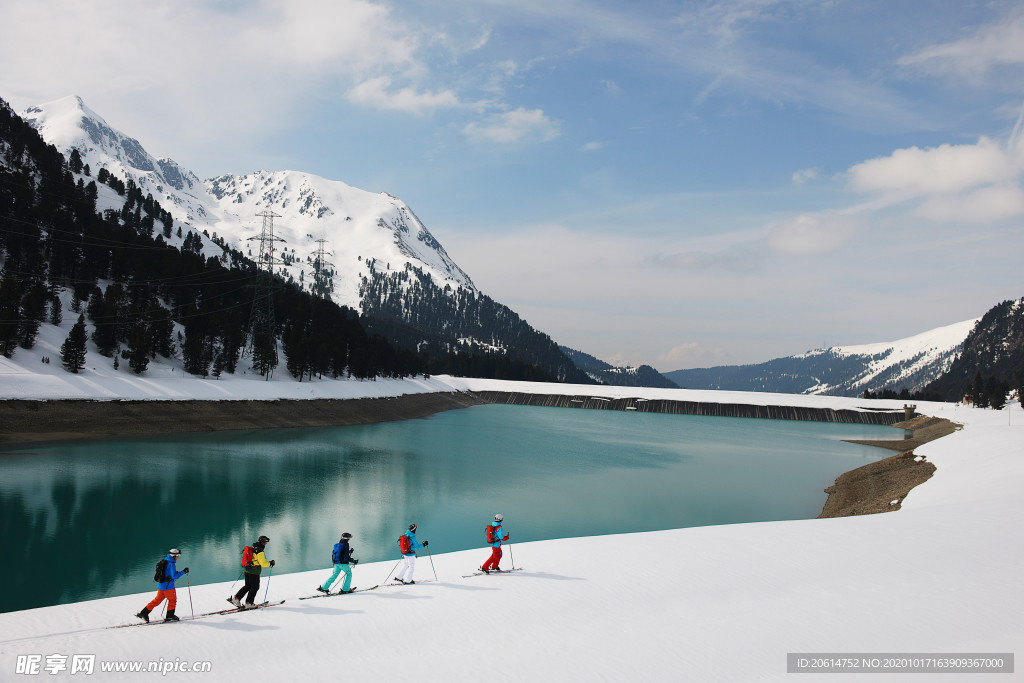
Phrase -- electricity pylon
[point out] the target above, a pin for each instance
(322, 285)
(262, 326)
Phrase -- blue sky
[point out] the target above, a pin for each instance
(682, 184)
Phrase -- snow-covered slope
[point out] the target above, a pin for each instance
(913, 361)
(724, 603)
(361, 229)
(909, 363)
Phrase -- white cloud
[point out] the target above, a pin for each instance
(377, 93)
(947, 168)
(802, 176)
(989, 47)
(984, 205)
(976, 183)
(517, 125)
(810, 234)
(611, 87)
(182, 76)
(690, 355)
(592, 146)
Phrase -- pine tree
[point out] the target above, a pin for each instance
(10, 313)
(75, 161)
(264, 354)
(996, 393)
(980, 399)
(56, 309)
(72, 351)
(140, 346)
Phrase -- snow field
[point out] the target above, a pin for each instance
(721, 603)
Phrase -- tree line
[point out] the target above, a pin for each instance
(481, 333)
(143, 297)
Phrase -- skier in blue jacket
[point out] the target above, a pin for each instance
(409, 557)
(342, 558)
(165, 589)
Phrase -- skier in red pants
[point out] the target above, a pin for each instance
(165, 589)
(494, 538)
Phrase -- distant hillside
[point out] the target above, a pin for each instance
(993, 352)
(605, 373)
(910, 363)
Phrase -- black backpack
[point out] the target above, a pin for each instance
(161, 571)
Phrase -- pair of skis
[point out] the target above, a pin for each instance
(203, 615)
(492, 571)
(331, 595)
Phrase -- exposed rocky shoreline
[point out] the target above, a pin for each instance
(37, 421)
(881, 486)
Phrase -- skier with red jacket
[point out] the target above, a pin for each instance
(494, 538)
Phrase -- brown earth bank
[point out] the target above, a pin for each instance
(24, 422)
(881, 486)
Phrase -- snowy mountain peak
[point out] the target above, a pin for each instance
(68, 124)
(361, 231)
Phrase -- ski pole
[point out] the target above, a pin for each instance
(392, 571)
(189, 584)
(271, 574)
(432, 563)
(510, 556)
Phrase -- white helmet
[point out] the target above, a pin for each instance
(498, 517)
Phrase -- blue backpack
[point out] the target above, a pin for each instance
(336, 555)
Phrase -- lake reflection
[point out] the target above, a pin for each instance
(91, 519)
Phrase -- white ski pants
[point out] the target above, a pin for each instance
(405, 572)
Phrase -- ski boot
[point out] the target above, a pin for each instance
(170, 616)
(322, 590)
(235, 601)
(144, 614)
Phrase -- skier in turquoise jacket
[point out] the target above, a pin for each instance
(405, 574)
(495, 558)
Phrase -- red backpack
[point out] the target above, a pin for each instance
(247, 557)
(404, 544)
(490, 533)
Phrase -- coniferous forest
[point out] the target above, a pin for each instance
(461, 332)
(141, 296)
(991, 363)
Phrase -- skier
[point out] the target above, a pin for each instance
(252, 570)
(342, 558)
(495, 558)
(408, 555)
(165, 589)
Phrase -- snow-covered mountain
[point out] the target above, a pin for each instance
(606, 373)
(909, 363)
(361, 230)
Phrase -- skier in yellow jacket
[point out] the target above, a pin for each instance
(253, 561)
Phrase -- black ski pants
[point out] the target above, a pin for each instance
(250, 589)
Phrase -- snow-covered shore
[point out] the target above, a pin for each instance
(723, 603)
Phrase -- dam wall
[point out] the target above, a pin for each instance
(875, 417)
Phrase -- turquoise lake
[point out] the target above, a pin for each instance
(90, 519)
